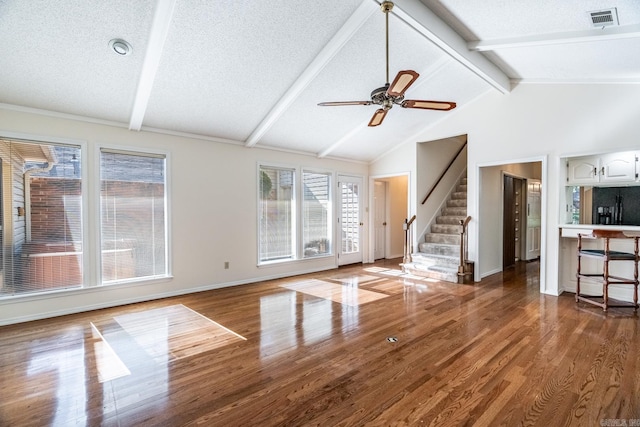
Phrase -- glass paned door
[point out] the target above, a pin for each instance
(350, 220)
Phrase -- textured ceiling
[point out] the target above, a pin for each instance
(252, 72)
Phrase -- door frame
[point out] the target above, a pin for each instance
(546, 264)
(362, 208)
(371, 211)
(374, 225)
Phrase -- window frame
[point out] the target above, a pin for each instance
(297, 212)
(85, 216)
(294, 210)
(330, 213)
(96, 214)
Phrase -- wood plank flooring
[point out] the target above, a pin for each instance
(359, 345)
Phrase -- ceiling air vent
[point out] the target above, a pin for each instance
(604, 18)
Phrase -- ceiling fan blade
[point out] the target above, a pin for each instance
(378, 117)
(339, 103)
(401, 83)
(429, 105)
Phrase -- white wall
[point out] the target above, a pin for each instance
(432, 160)
(532, 123)
(212, 212)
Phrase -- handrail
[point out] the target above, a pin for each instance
(407, 249)
(462, 270)
(444, 172)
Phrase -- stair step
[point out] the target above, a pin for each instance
(446, 228)
(431, 248)
(433, 272)
(450, 219)
(455, 203)
(459, 195)
(451, 239)
(462, 188)
(432, 259)
(455, 211)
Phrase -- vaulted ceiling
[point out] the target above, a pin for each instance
(253, 72)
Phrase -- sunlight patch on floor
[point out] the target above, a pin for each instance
(356, 280)
(168, 333)
(343, 294)
(108, 364)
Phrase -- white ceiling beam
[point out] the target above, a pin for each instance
(353, 24)
(344, 139)
(162, 16)
(415, 14)
(594, 35)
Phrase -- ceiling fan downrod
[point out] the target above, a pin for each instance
(386, 7)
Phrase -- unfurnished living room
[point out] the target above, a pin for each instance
(337, 213)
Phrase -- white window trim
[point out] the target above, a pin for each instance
(97, 213)
(298, 256)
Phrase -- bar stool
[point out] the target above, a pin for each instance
(607, 255)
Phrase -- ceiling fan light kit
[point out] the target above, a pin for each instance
(393, 93)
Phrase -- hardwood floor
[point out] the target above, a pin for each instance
(360, 345)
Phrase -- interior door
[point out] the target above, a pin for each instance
(349, 220)
(380, 219)
(534, 219)
(510, 222)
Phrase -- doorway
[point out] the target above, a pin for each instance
(389, 197)
(380, 220)
(489, 230)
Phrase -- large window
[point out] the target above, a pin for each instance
(290, 230)
(276, 213)
(41, 217)
(133, 216)
(316, 214)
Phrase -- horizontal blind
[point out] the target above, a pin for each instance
(276, 213)
(316, 212)
(133, 216)
(41, 215)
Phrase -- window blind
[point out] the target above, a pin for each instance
(133, 216)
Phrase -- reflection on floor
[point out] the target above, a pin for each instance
(356, 289)
(347, 294)
(165, 334)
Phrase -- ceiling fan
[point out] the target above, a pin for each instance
(393, 93)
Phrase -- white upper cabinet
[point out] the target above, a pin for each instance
(603, 169)
(618, 167)
(583, 170)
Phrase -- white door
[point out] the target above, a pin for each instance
(534, 219)
(380, 219)
(349, 220)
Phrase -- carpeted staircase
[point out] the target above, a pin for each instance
(439, 254)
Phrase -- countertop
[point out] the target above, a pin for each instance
(572, 230)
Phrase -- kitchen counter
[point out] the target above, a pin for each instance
(569, 255)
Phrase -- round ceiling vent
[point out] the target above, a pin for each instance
(121, 47)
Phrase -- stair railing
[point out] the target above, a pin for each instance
(464, 266)
(408, 248)
(444, 173)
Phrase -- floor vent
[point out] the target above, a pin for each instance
(604, 18)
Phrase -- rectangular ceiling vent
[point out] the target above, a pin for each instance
(604, 18)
